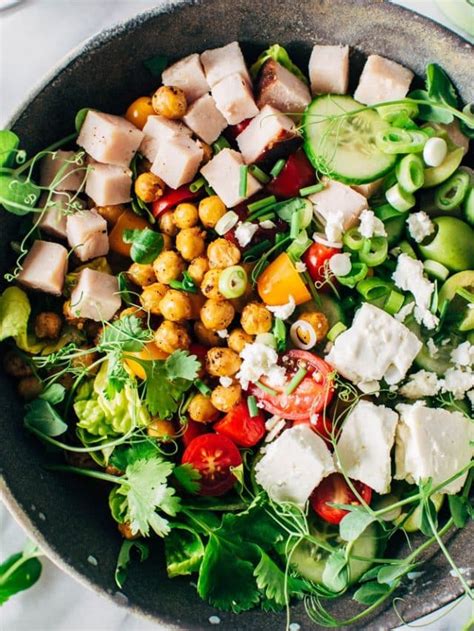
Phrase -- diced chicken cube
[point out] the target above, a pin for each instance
(329, 69)
(54, 219)
(269, 128)
(279, 87)
(87, 234)
(109, 139)
(367, 190)
(223, 174)
(204, 119)
(382, 80)
(221, 62)
(61, 168)
(96, 296)
(339, 203)
(177, 161)
(44, 267)
(108, 184)
(158, 129)
(234, 99)
(188, 75)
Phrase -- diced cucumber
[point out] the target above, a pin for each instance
(344, 148)
(412, 523)
(330, 306)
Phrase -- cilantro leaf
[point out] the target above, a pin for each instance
(126, 334)
(146, 244)
(123, 455)
(275, 586)
(187, 476)
(184, 550)
(181, 365)
(124, 558)
(117, 375)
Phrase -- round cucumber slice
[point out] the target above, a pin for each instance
(344, 148)
(329, 306)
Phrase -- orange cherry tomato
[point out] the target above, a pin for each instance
(279, 281)
(128, 220)
(149, 351)
(139, 111)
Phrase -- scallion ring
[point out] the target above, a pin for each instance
(398, 140)
(394, 111)
(398, 198)
(303, 327)
(394, 302)
(410, 173)
(233, 281)
(357, 273)
(335, 331)
(374, 251)
(373, 288)
(353, 239)
(226, 222)
(385, 212)
(451, 194)
(406, 248)
(305, 214)
(435, 270)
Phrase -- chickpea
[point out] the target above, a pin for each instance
(29, 388)
(318, 321)
(15, 365)
(222, 253)
(190, 243)
(141, 275)
(168, 266)
(206, 337)
(185, 216)
(211, 209)
(238, 339)
(197, 268)
(151, 296)
(224, 399)
(85, 361)
(171, 336)
(222, 362)
(210, 284)
(111, 470)
(149, 187)
(166, 224)
(139, 111)
(175, 305)
(48, 325)
(207, 152)
(217, 315)
(201, 409)
(111, 213)
(169, 102)
(256, 319)
(167, 242)
(133, 311)
(197, 301)
(161, 429)
(125, 530)
(71, 318)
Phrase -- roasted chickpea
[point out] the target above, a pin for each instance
(190, 243)
(197, 301)
(142, 275)
(197, 268)
(149, 187)
(85, 361)
(185, 215)
(48, 324)
(222, 362)
(169, 102)
(29, 387)
(224, 399)
(15, 365)
(201, 409)
(238, 339)
(151, 296)
(318, 321)
(125, 530)
(168, 266)
(206, 337)
(217, 314)
(139, 111)
(210, 284)
(167, 242)
(222, 253)
(71, 318)
(175, 306)
(161, 429)
(166, 224)
(171, 336)
(111, 213)
(211, 209)
(133, 311)
(256, 319)
(207, 152)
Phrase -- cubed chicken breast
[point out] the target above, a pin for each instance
(109, 139)
(108, 184)
(280, 88)
(338, 206)
(382, 80)
(87, 234)
(367, 190)
(44, 267)
(221, 62)
(188, 75)
(329, 69)
(156, 130)
(54, 219)
(223, 174)
(234, 99)
(96, 296)
(61, 170)
(204, 119)
(177, 161)
(264, 132)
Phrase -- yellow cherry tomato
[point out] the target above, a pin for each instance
(279, 281)
(128, 220)
(139, 111)
(149, 351)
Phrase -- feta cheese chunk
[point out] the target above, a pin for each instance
(370, 225)
(420, 226)
(457, 382)
(61, 168)
(96, 296)
(108, 184)
(463, 354)
(260, 360)
(338, 206)
(219, 63)
(234, 99)
(53, 220)
(223, 174)
(293, 465)
(421, 384)
(44, 267)
(177, 161)
(363, 448)
(87, 234)
(204, 119)
(382, 80)
(329, 69)
(245, 232)
(158, 129)
(375, 347)
(408, 276)
(188, 75)
(284, 311)
(280, 88)
(109, 139)
(432, 443)
(264, 132)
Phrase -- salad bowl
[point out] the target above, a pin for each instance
(68, 517)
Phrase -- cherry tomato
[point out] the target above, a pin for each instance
(213, 455)
(193, 429)
(139, 111)
(315, 257)
(280, 280)
(297, 173)
(200, 351)
(172, 198)
(234, 130)
(243, 429)
(335, 489)
(311, 396)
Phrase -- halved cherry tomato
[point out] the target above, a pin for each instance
(243, 429)
(139, 111)
(128, 220)
(192, 431)
(311, 396)
(234, 130)
(280, 280)
(335, 489)
(172, 198)
(213, 455)
(315, 257)
(297, 173)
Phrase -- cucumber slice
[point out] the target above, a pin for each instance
(344, 148)
(413, 522)
(329, 306)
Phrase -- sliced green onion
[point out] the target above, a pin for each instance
(287, 207)
(389, 181)
(296, 380)
(209, 190)
(233, 281)
(187, 284)
(335, 331)
(353, 239)
(277, 168)
(410, 173)
(436, 270)
(299, 246)
(406, 248)
(266, 217)
(265, 388)
(451, 194)
(357, 273)
(469, 206)
(373, 288)
(244, 171)
(391, 112)
(385, 212)
(374, 251)
(252, 406)
(221, 143)
(306, 214)
(398, 198)
(226, 222)
(257, 249)
(434, 298)
(195, 186)
(295, 225)
(462, 292)
(394, 302)
(398, 140)
(311, 190)
(279, 332)
(261, 203)
(203, 387)
(258, 174)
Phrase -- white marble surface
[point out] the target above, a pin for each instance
(34, 36)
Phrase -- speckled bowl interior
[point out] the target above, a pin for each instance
(69, 516)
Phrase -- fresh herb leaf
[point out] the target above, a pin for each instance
(124, 288)
(80, 118)
(369, 593)
(124, 455)
(17, 194)
(146, 244)
(467, 126)
(274, 584)
(187, 284)
(117, 375)
(9, 143)
(188, 477)
(439, 86)
(390, 573)
(354, 524)
(124, 558)
(459, 509)
(336, 572)
(156, 64)
(182, 365)
(53, 394)
(19, 572)
(184, 550)
(371, 574)
(42, 418)
(279, 54)
(140, 208)
(126, 334)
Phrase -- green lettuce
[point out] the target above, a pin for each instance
(15, 311)
(279, 54)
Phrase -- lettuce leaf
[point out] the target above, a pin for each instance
(15, 311)
(279, 54)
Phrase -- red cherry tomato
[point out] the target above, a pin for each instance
(239, 426)
(335, 489)
(311, 396)
(193, 429)
(234, 130)
(172, 198)
(320, 424)
(297, 173)
(315, 258)
(213, 455)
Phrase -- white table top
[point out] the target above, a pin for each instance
(33, 37)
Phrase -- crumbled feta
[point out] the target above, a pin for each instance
(226, 382)
(463, 355)
(268, 224)
(404, 312)
(266, 338)
(271, 422)
(433, 350)
(284, 311)
(334, 227)
(276, 429)
(260, 360)
(421, 384)
(319, 237)
(300, 267)
(340, 264)
(457, 382)
(409, 277)
(276, 376)
(371, 226)
(420, 226)
(223, 333)
(245, 232)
